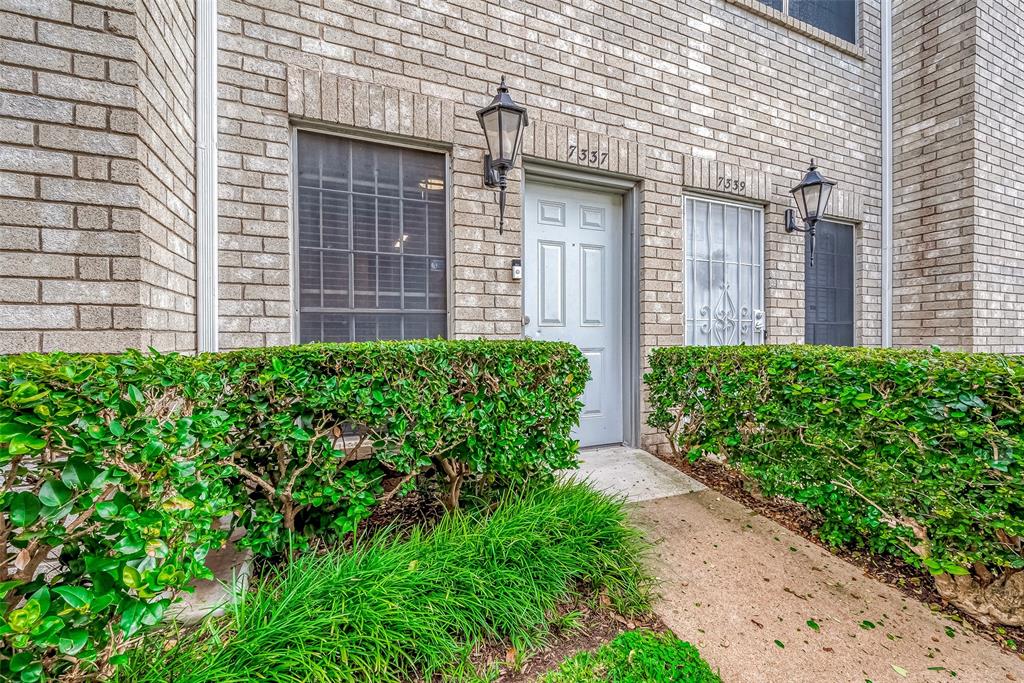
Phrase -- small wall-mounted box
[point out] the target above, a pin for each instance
(517, 269)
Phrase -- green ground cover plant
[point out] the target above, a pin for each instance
(120, 472)
(639, 656)
(399, 609)
(915, 453)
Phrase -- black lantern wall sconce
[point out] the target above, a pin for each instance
(503, 121)
(811, 195)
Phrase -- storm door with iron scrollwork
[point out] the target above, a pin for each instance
(723, 273)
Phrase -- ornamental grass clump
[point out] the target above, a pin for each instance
(914, 453)
(412, 609)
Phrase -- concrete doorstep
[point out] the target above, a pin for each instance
(764, 605)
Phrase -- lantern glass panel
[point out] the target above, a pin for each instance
(826, 190)
(808, 205)
(490, 126)
(510, 122)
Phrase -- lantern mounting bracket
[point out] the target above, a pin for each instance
(496, 177)
(791, 226)
(492, 177)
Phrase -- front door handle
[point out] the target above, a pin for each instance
(759, 320)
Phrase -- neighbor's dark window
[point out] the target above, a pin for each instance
(838, 17)
(828, 286)
(774, 4)
(372, 241)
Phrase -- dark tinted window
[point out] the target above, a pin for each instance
(775, 4)
(372, 241)
(838, 17)
(828, 292)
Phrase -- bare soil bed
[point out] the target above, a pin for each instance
(594, 628)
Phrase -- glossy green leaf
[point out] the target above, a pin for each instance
(20, 661)
(77, 474)
(75, 596)
(131, 577)
(54, 493)
(72, 641)
(21, 444)
(24, 509)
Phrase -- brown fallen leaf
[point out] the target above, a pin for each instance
(22, 559)
(792, 592)
(510, 656)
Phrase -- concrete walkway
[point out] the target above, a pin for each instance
(742, 589)
(634, 474)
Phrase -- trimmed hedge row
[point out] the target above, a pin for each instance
(120, 473)
(917, 453)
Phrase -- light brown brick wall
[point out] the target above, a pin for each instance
(723, 87)
(101, 206)
(91, 114)
(999, 178)
(933, 173)
(166, 33)
(958, 179)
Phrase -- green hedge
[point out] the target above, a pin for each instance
(119, 472)
(915, 453)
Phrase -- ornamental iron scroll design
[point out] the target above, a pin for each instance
(723, 320)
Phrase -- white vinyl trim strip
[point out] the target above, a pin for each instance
(206, 175)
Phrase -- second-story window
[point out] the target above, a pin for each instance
(838, 17)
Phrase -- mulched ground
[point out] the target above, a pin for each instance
(893, 571)
(400, 514)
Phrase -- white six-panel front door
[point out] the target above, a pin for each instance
(572, 291)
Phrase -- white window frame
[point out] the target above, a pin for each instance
(759, 209)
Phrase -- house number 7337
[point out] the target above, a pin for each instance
(590, 156)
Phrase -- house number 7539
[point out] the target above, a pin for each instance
(731, 185)
(590, 156)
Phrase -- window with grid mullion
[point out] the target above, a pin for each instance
(372, 243)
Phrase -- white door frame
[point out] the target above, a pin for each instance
(629, 189)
